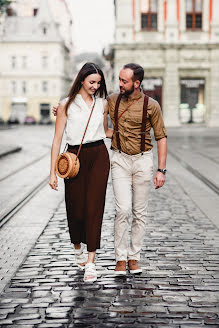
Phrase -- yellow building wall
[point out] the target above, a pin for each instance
(33, 107)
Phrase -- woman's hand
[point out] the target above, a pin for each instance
(53, 182)
(59, 130)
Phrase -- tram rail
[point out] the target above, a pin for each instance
(24, 166)
(9, 213)
(196, 173)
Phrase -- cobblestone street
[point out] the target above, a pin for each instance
(179, 286)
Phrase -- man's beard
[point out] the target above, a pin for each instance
(128, 92)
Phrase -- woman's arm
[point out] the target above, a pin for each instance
(61, 120)
(109, 132)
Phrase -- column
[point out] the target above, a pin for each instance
(160, 26)
(124, 21)
(171, 92)
(213, 111)
(182, 16)
(205, 16)
(215, 21)
(171, 22)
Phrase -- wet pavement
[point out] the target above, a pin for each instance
(179, 286)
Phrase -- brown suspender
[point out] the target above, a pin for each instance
(116, 121)
(143, 125)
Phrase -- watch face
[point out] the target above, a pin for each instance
(162, 170)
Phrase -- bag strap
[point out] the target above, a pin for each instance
(143, 125)
(79, 149)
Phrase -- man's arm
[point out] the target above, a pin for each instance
(159, 178)
(108, 131)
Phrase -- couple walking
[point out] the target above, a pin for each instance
(133, 114)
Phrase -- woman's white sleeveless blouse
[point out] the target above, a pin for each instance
(78, 115)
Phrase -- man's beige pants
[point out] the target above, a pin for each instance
(131, 178)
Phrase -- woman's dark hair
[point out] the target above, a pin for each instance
(138, 71)
(87, 69)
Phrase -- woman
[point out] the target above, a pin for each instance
(84, 194)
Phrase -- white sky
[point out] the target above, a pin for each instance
(93, 24)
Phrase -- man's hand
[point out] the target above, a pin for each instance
(159, 180)
(54, 109)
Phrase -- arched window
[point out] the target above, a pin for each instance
(194, 14)
(149, 14)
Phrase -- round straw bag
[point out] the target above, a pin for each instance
(67, 165)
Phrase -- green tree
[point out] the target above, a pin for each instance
(4, 4)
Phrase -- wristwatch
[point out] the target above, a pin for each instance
(162, 171)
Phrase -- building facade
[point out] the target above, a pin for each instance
(35, 62)
(58, 10)
(177, 43)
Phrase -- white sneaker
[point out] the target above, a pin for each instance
(90, 274)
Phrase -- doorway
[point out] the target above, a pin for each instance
(18, 111)
(192, 99)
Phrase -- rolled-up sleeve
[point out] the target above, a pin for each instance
(157, 122)
(111, 105)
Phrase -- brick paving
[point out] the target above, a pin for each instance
(19, 235)
(179, 286)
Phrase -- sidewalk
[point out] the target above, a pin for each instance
(179, 286)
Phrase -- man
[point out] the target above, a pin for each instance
(132, 163)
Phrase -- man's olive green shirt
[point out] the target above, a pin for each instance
(130, 122)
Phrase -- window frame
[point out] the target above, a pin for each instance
(45, 85)
(24, 87)
(44, 61)
(14, 87)
(149, 15)
(194, 13)
(13, 62)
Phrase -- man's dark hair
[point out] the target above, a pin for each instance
(138, 71)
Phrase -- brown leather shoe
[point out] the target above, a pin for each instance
(134, 266)
(120, 268)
